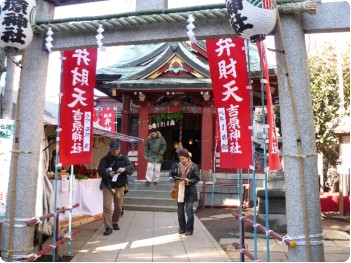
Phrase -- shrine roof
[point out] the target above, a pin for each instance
(70, 2)
(161, 84)
(146, 67)
(140, 60)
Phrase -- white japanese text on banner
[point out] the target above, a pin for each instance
(78, 81)
(229, 77)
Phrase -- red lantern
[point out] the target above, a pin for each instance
(252, 18)
(16, 19)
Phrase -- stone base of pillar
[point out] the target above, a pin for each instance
(276, 210)
(277, 222)
(276, 203)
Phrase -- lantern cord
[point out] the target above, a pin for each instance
(180, 130)
(298, 141)
(180, 145)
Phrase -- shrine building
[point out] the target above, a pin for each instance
(169, 84)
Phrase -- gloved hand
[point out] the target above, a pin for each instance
(170, 179)
(109, 171)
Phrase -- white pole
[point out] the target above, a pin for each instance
(340, 78)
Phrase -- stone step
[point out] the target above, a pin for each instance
(155, 208)
(151, 198)
(158, 196)
(151, 201)
(148, 193)
(167, 186)
(218, 199)
(161, 186)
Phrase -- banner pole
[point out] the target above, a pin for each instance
(71, 177)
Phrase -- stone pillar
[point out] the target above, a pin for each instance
(30, 115)
(295, 49)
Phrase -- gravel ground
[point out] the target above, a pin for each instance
(220, 222)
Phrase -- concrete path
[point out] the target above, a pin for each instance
(152, 237)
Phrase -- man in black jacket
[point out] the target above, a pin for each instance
(113, 169)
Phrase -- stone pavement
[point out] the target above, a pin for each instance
(148, 236)
(152, 236)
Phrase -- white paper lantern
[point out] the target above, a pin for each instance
(16, 20)
(252, 18)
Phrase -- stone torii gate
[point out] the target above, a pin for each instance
(294, 28)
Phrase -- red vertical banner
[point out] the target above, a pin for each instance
(227, 61)
(107, 119)
(95, 115)
(76, 110)
(273, 150)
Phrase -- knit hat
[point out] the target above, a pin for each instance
(114, 145)
(153, 130)
(184, 152)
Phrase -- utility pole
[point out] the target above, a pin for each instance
(340, 78)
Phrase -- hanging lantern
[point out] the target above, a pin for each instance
(16, 20)
(252, 18)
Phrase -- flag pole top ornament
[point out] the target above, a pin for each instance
(16, 20)
(252, 19)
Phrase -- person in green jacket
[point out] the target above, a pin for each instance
(155, 148)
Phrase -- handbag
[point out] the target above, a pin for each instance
(174, 191)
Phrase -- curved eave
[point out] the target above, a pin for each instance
(160, 85)
(173, 48)
(146, 70)
(201, 44)
(192, 60)
(118, 136)
(145, 57)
